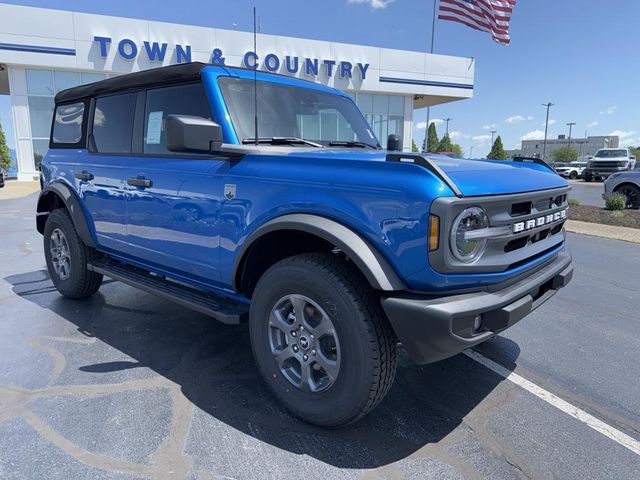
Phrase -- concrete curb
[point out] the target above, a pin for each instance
(604, 231)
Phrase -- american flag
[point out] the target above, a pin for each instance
(491, 16)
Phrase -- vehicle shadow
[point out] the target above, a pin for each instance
(213, 365)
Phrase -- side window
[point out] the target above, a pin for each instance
(68, 124)
(181, 100)
(113, 123)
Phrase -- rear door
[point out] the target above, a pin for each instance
(101, 171)
(174, 200)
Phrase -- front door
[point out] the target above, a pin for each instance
(173, 201)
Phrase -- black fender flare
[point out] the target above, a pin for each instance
(70, 200)
(375, 267)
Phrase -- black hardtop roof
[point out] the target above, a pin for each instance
(184, 72)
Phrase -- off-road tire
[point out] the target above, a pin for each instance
(368, 344)
(81, 282)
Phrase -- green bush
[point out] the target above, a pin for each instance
(574, 203)
(616, 202)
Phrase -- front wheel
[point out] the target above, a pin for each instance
(632, 194)
(321, 340)
(573, 175)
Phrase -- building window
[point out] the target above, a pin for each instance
(385, 114)
(42, 85)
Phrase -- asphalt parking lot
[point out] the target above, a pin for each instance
(587, 193)
(126, 385)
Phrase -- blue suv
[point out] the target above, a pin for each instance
(258, 197)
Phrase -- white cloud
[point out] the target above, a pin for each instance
(420, 126)
(629, 142)
(455, 135)
(437, 121)
(622, 134)
(551, 122)
(534, 135)
(375, 4)
(482, 140)
(593, 124)
(518, 119)
(490, 127)
(609, 111)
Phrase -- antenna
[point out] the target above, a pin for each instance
(255, 79)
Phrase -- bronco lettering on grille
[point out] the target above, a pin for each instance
(539, 222)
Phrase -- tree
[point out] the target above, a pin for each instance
(445, 144)
(414, 147)
(497, 151)
(455, 148)
(432, 139)
(565, 155)
(635, 151)
(5, 155)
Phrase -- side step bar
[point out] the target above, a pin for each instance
(219, 307)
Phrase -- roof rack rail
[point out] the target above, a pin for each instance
(539, 161)
(427, 163)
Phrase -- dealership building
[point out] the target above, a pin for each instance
(44, 51)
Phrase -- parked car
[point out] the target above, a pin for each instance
(571, 170)
(178, 182)
(625, 183)
(608, 161)
(1, 178)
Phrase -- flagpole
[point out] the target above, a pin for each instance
(433, 43)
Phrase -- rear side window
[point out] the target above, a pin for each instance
(68, 124)
(179, 100)
(113, 123)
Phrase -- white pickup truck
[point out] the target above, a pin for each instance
(608, 161)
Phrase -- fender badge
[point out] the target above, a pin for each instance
(229, 191)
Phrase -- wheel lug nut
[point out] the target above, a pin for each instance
(305, 358)
(295, 348)
(313, 352)
(293, 333)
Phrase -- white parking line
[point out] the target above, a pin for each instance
(589, 420)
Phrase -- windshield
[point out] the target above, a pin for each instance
(286, 111)
(611, 153)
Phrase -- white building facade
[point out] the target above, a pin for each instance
(44, 51)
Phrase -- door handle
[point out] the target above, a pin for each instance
(139, 182)
(84, 175)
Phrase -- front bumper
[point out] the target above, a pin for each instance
(434, 328)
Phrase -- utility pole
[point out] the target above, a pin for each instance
(433, 43)
(493, 136)
(570, 125)
(448, 120)
(546, 131)
(471, 151)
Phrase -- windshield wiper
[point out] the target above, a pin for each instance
(341, 143)
(282, 141)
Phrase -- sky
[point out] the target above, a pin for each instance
(580, 55)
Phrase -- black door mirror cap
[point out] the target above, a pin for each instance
(393, 143)
(192, 134)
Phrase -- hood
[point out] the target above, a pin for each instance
(472, 177)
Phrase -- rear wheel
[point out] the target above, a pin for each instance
(67, 256)
(321, 340)
(632, 193)
(588, 177)
(573, 175)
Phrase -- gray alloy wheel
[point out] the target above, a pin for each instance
(304, 343)
(632, 194)
(60, 254)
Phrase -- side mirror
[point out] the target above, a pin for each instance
(393, 143)
(632, 157)
(192, 134)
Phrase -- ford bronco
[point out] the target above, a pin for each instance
(254, 196)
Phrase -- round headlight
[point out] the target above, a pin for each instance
(469, 250)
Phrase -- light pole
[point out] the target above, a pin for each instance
(471, 152)
(546, 131)
(448, 120)
(493, 134)
(570, 125)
